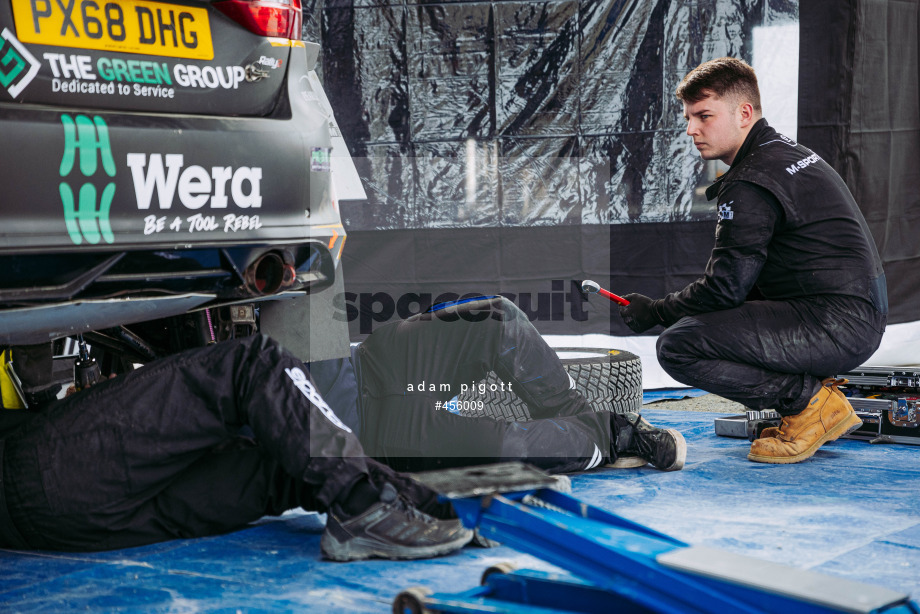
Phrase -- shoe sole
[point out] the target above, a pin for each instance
(850, 429)
(844, 428)
(628, 462)
(360, 548)
(681, 445)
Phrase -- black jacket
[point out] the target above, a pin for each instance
(788, 228)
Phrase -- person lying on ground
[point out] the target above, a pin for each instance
(461, 342)
(202, 443)
(211, 439)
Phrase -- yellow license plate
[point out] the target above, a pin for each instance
(126, 26)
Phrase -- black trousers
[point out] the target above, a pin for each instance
(456, 346)
(161, 453)
(771, 354)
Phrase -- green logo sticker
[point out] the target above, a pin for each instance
(17, 66)
(319, 159)
(87, 217)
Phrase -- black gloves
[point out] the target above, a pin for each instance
(641, 313)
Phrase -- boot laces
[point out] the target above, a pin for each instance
(412, 512)
(780, 432)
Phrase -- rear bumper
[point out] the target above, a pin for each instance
(78, 180)
(130, 215)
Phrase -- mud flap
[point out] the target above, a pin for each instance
(309, 326)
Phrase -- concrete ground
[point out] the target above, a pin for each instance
(707, 403)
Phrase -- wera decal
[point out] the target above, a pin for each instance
(87, 218)
(17, 66)
(196, 186)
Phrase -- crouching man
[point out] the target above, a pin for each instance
(794, 292)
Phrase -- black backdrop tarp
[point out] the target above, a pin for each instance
(406, 271)
(859, 108)
(515, 147)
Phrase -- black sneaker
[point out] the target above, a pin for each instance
(663, 448)
(390, 529)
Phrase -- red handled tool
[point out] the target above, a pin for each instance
(593, 288)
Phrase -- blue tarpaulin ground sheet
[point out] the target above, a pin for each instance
(852, 511)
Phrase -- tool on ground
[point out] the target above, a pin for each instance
(592, 287)
(748, 425)
(886, 399)
(86, 371)
(617, 565)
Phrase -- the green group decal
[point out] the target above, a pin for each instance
(11, 66)
(87, 218)
(17, 66)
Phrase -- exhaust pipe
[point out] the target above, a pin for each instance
(266, 275)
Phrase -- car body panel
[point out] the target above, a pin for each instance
(29, 326)
(60, 74)
(146, 185)
(165, 180)
(170, 202)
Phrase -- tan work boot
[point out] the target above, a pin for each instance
(828, 416)
(774, 431)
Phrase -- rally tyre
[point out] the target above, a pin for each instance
(611, 380)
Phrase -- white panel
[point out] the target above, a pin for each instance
(776, 61)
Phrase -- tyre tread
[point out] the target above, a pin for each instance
(611, 382)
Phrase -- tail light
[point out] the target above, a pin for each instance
(281, 18)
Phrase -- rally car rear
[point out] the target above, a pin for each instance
(158, 158)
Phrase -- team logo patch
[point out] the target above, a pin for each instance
(17, 66)
(725, 211)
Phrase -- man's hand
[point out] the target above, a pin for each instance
(640, 315)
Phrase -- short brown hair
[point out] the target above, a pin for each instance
(724, 77)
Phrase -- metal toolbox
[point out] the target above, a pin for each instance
(886, 399)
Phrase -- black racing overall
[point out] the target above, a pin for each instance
(794, 290)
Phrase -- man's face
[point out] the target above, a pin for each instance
(717, 127)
